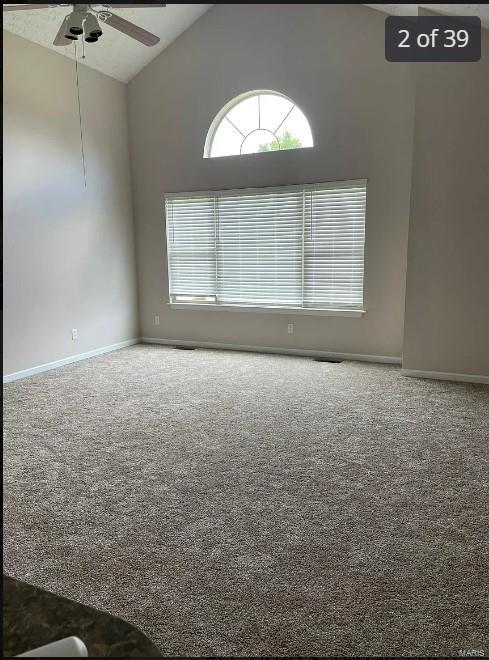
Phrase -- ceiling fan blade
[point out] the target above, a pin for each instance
(60, 39)
(24, 7)
(137, 6)
(131, 30)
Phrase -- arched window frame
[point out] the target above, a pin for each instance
(221, 115)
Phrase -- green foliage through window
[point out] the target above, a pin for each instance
(285, 141)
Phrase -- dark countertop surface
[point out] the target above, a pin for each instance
(33, 617)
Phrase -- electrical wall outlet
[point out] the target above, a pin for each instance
(290, 329)
(157, 320)
(74, 334)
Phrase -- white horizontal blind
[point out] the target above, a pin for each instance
(296, 246)
(333, 246)
(259, 249)
(191, 244)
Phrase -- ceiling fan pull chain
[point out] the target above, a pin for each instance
(80, 117)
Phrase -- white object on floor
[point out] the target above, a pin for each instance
(69, 647)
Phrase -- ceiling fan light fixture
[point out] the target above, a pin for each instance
(92, 27)
(75, 24)
(83, 21)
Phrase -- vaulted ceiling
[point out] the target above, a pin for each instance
(481, 10)
(115, 54)
(122, 58)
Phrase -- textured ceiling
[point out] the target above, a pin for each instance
(481, 10)
(122, 58)
(115, 54)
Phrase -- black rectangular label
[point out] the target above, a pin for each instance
(432, 38)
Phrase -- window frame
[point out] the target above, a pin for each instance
(345, 311)
(216, 122)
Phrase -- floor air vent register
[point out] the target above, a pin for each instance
(331, 360)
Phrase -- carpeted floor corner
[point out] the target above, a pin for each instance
(254, 505)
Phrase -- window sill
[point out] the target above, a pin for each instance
(308, 311)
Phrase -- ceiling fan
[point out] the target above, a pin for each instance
(83, 22)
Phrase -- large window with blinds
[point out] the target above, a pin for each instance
(294, 247)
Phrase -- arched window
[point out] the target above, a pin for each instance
(257, 121)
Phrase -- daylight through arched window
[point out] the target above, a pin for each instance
(256, 122)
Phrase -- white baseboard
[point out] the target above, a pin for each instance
(271, 349)
(438, 375)
(8, 378)
(385, 359)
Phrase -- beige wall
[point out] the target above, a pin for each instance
(330, 60)
(447, 301)
(69, 251)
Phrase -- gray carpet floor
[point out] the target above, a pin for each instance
(243, 504)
